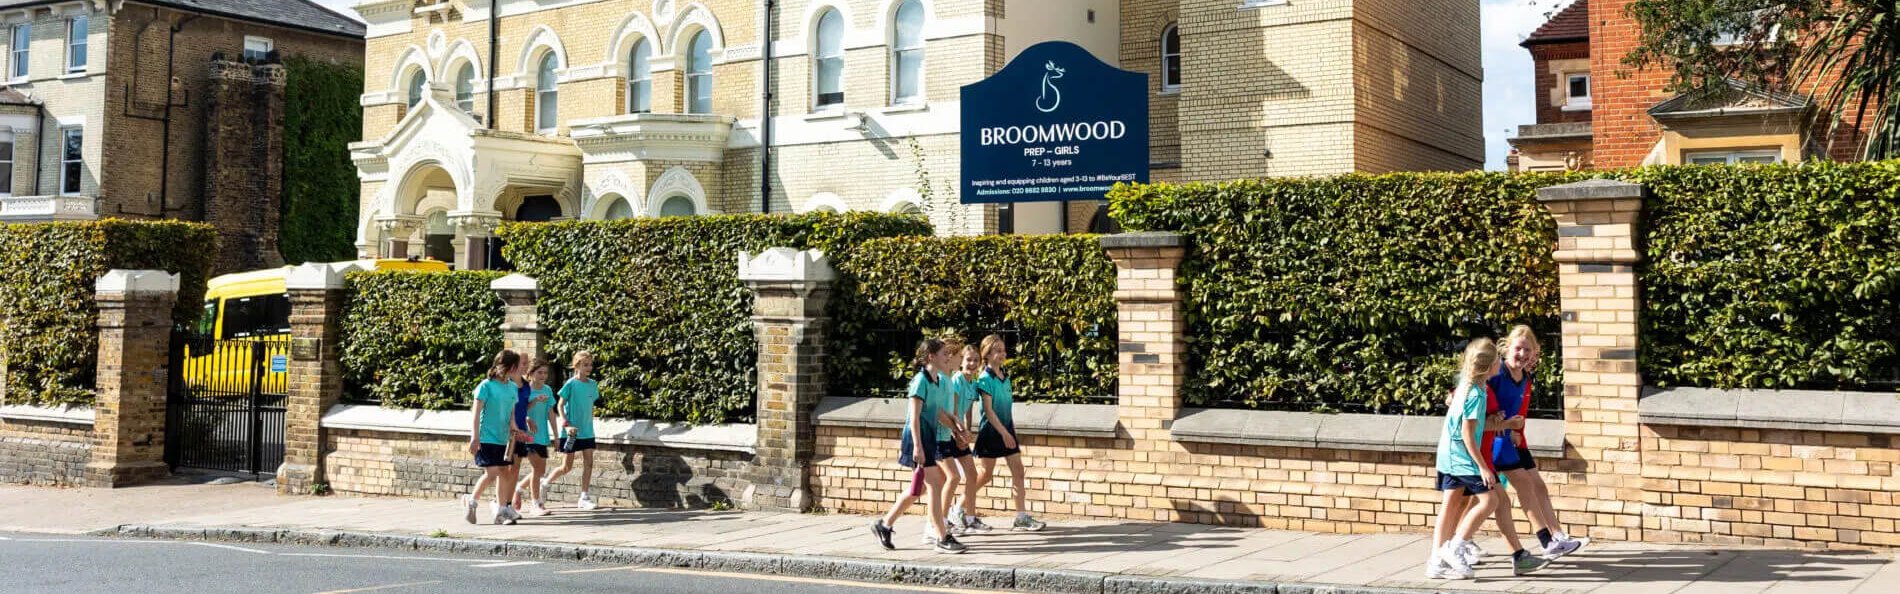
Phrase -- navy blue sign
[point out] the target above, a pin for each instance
(1055, 124)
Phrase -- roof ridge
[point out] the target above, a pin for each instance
(1569, 24)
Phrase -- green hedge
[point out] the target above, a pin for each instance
(1055, 291)
(419, 339)
(48, 271)
(1771, 277)
(1353, 292)
(660, 303)
(322, 116)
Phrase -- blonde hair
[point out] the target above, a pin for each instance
(1480, 355)
(583, 356)
(1524, 332)
(990, 343)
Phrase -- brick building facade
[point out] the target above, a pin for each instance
(595, 115)
(1625, 117)
(142, 120)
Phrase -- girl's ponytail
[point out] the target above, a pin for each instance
(504, 361)
(925, 350)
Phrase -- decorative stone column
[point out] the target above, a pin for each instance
(135, 325)
(315, 373)
(1597, 230)
(789, 292)
(396, 231)
(1153, 344)
(520, 323)
(473, 230)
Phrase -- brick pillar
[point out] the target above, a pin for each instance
(1153, 343)
(135, 325)
(315, 373)
(244, 154)
(520, 324)
(1596, 260)
(789, 292)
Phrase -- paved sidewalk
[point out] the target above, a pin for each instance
(1129, 548)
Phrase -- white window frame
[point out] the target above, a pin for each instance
(21, 54)
(6, 161)
(1175, 30)
(1574, 102)
(416, 91)
(898, 52)
(1731, 157)
(692, 94)
(1735, 38)
(77, 39)
(818, 58)
(65, 163)
(640, 84)
(466, 103)
(550, 65)
(268, 46)
(689, 204)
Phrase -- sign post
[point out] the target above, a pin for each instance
(1056, 124)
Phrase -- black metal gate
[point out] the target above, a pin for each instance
(225, 404)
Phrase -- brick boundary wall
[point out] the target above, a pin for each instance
(44, 453)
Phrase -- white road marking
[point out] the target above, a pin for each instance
(226, 546)
(388, 587)
(506, 564)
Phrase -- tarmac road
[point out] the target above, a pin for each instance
(59, 563)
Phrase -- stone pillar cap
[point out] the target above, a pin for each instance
(1592, 189)
(120, 282)
(322, 276)
(786, 264)
(1145, 239)
(515, 282)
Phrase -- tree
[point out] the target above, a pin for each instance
(1845, 54)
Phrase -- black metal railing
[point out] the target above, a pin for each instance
(226, 403)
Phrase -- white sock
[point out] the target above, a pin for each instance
(1022, 515)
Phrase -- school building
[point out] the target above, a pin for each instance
(483, 111)
(144, 109)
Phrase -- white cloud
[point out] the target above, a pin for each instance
(1508, 76)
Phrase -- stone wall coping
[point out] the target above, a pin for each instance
(69, 414)
(1810, 410)
(641, 432)
(515, 282)
(1145, 239)
(785, 264)
(1380, 433)
(1061, 420)
(120, 282)
(1593, 189)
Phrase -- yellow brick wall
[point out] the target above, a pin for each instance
(1415, 110)
(1769, 487)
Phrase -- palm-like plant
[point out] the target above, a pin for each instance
(1845, 54)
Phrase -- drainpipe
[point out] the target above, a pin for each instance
(494, 42)
(765, 115)
(39, 156)
(165, 121)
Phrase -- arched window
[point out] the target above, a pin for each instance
(417, 82)
(640, 78)
(907, 53)
(907, 208)
(699, 81)
(465, 88)
(619, 209)
(828, 60)
(1171, 58)
(677, 206)
(547, 96)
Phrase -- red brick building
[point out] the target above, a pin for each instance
(1631, 119)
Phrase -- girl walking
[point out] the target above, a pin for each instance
(491, 436)
(963, 387)
(535, 399)
(918, 451)
(996, 436)
(1512, 457)
(1462, 474)
(576, 410)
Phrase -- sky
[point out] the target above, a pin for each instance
(1507, 68)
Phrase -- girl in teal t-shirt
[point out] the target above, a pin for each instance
(489, 436)
(996, 435)
(576, 410)
(961, 469)
(917, 449)
(538, 399)
(1463, 473)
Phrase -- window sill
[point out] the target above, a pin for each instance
(1169, 92)
(1576, 107)
(74, 75)
(19, 81)
(829, 113)
(905, 108)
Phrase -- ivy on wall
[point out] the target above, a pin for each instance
(49, 332)
(419, 339)
(322, 116)
(1052, 296)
